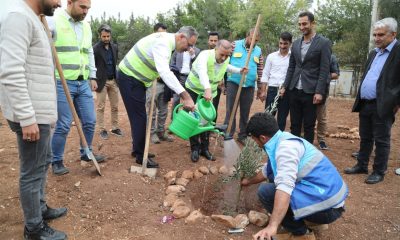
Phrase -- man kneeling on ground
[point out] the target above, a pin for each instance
(303, 183)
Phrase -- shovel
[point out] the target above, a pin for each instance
(235, 104)
(150, 172)
(69, 99)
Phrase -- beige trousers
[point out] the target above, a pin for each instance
(110, 89)
(322, 124)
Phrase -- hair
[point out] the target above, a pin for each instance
(104, 27)
(262, 123)
(286, 36)
(159, 25)
(213, 34)
(251, 31)
(308, 14)
(224, 44)
(390, 23)
(188, 31)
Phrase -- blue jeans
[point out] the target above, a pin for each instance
(82, 97)
(35, 158)
(266, 194)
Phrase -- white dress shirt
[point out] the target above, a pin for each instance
(202, 68)
(275, 69)
(186, 58)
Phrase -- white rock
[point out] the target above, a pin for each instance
(175, 189)
(258, 218)
(177, 203)
(170, 199)
(204, 170)
(227, 221)
(241, 221)
(181, 212)
(197, 174)
(182, 181)
(213, 170)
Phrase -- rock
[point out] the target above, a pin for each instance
(182, 181)
(170, 199)
(223, 170)
(177, 203)
(187, 174)
(181, 212)
(353, 130)
(170, 181)
(241, 221)
(227, 221)
(258, 218)
(231, 171)
(177, 189)
(213, 170)
(204, 170)
(197, 174)
(194, 217)
(170, 174)
(77, 184)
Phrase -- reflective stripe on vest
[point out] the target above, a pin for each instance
(138, 64)
(74, 57)
(193, 80)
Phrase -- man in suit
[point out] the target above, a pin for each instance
(307, 76)
(105, 56)
(378, 100)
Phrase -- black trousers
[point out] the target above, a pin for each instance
(216, 102)
(374, 129)
(200, 141)
(303, 113)
(283, 106)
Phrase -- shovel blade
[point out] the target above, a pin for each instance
(91, 157)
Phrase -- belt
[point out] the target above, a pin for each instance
(80, 78)
(368, 101)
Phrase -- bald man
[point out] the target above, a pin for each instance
(204, 81)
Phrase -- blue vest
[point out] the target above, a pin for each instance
(319, 185)
(238, 59)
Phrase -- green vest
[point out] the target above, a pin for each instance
(73, 56)
(193, 81)
(138, 64)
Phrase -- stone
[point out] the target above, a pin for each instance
(197, 174)
(170, 199)
(181, 212)
(204, 170)
(177, 189)
(177, 203)
(241, 221)
(182, 181)
(258, 218)
(213, 170)
(170, 181)
(187, 174)
(227, 221)
(194, 217)
(231, 171)
(223, 170)
(170, 174)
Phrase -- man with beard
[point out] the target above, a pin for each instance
(28, 100)
(73, 40)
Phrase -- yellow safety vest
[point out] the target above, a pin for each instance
(73, 56)
(138, 64)
(193, 81)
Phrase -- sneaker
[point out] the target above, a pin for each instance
(99, 158)
(104, 134)
(155, 139)
(59, 168)
(44, 232)
(322, 145)
(165, 137)
(117, 132)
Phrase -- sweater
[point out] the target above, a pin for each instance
(27, 83)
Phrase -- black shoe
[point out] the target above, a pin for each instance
(195, 156)
(322, 145)
(150, 155)
(374, 178)
(53, 213)
(59, 168)
(356, 170)
(44, 232)
(151, 163)
(117, 132)
(355, 154)
(99, 158)
(104, 134)
(207, 154)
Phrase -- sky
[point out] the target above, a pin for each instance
(147, 8)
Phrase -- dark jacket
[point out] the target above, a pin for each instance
(100, 59)
(388, 84)
(314, 70)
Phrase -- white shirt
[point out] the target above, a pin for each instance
(160, 52)
(275, 69)
(78, 29)
(186, 58)
(202, 68)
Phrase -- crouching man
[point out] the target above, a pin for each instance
(303, 183)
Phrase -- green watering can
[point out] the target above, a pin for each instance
(187, 124)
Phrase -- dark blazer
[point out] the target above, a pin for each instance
(100, 59)
(314, 70)
(388, 84)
